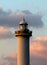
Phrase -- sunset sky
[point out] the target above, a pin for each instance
(35, 14)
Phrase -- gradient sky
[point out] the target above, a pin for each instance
(32, 5)
(8, 46)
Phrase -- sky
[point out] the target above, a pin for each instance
(35, 14)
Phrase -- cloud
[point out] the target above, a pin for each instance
(11, 19)
(38, 51)
(5, 33)
(10, 60)
(14, 55)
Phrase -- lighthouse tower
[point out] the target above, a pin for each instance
(23, 35)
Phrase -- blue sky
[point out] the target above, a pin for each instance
(32, 5)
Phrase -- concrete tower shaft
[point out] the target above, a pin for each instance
(23, 35)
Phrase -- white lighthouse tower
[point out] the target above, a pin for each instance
(23, 35)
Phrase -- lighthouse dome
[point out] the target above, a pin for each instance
(22, 22)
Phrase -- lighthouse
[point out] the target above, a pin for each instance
(23, 34)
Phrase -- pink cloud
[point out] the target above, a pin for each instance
(3, 30)
(14, 55)
(38, 51)
(39, 47)
(5, 33)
